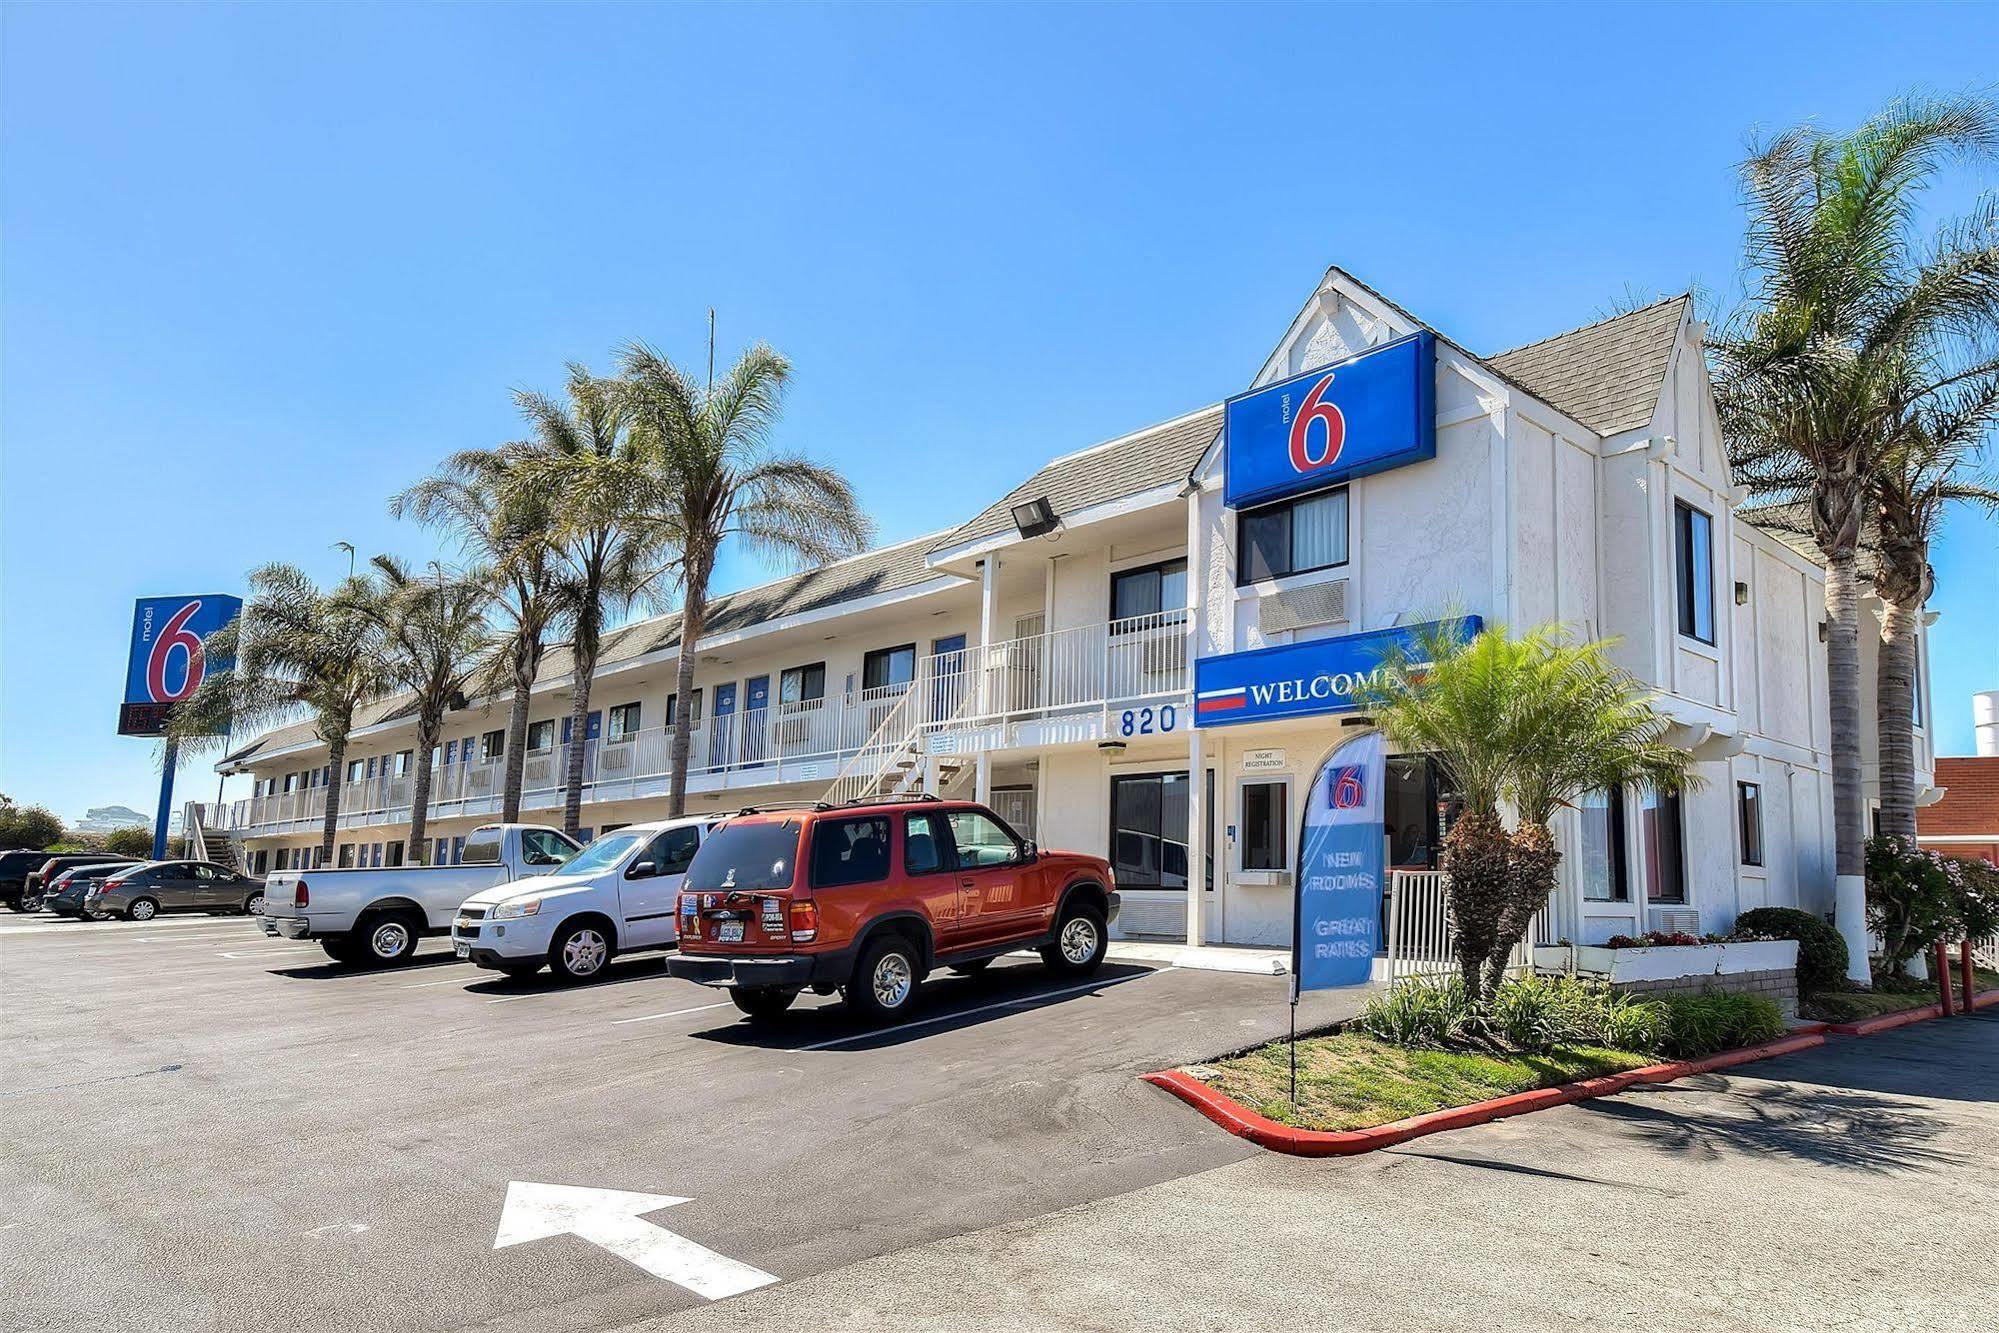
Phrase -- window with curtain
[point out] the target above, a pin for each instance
(1600, 861)
(1665, 848)
(887, 667)
(1693, 559)
(1292, 537)
(1749, 809)
(802, 684)
(624, 721)
(1150, 590)
(1149, 830)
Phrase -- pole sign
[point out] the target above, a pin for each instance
(1336, 927)
(168, 662)
(1368, 414)
(1301, 679)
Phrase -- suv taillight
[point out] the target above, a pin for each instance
(804, 922)
(300, 897)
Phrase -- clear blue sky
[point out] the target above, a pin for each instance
(263, 264)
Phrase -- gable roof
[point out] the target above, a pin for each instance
(1126, 466)
(1607, 375)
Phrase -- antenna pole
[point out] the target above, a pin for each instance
(711, 349)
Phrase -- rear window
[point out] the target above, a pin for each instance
(756, 855)
(482, 848)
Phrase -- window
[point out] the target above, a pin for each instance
(802, 684)
(747, 856)
(981, 841)
(1292, 537)
(624, 722)
(403, 761)
(849, 851)
(673, 851)
(923, 844)
(346, 855)
(1665, 848)
(1602, 862)
(395, 854)
(1693, 567)
(1150, 591)
(545, 847)
(1149, 830)
(885, 667)
(1266, 826)
(1749, 808)
(541, 735)
(353, 770)
(492, 745)
(693, 707)
(458, 851)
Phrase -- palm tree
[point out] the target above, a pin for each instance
(434, 630)
(508, 530)
(293, 648)
(1532, 723)
(579, 459)
(1843, 333)
(706, 473)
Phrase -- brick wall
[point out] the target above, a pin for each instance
(1779, 984)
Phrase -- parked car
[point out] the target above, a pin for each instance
(81, 875)
(617, 895)
(36, 885)
(377, 917)
(15, 867)
(869, 897)
(140, 893)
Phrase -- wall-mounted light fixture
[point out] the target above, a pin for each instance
(1113, 747)
(1741, 593)
(1357, 720)
(1825, 630)
(1035, 517)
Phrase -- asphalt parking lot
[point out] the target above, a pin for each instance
(210, 1129)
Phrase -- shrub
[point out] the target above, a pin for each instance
(1634, 1025)
(1822, 955)
(1654, 938)
(1703, 1024)
(1912, 898)
(30, 826)
(1422, 1013)
(134, 841)
(1529, 1015)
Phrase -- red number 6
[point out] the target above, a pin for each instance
(1314, 408)
(175, 634)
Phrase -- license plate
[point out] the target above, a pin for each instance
(463, 950)
(729, 932)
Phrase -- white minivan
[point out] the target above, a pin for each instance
(615, 896)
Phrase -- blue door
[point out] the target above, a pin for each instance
(756, 718)
(722, 737)
(947, 690)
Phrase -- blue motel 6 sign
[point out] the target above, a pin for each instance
(1337, 925)
(1300, 679)
(1331, 424)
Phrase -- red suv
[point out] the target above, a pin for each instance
(870, 896)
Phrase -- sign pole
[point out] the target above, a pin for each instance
(166, 799)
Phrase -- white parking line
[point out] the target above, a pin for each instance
(983, 1009)
(448, 981)
(673, 1013)
(264, 953)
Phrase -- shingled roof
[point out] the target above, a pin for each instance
(1128, 465)
(1790, 522)
(1607, 375)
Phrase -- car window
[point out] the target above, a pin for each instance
(483, 848)
(981, 841)
(602, 854)
(746, 855)
(206, 874)
(673, 851)
(849, 851)
(544, 847)
(925, 844)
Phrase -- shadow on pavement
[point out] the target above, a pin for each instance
(621, 969)
(332, 971)
(1826, 1126)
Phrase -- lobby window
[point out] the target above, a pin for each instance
(1602, 862)
(1149, 830)
(1693, 569)
(1266, 826)
(1292, 537)
(1665, 847)
(1749, 813)
(541, 735)
(1151, 590)
(802, 684)
(885, 668)
(492, 745)
(624, 722)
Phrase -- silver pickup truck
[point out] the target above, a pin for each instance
(375, 917)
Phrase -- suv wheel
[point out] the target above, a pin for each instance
(580, 951)
(142, 909)
(761, 1002)
(389, 939)
(885, 980)
(1080, 942)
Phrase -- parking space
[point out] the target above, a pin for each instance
(209, 1129)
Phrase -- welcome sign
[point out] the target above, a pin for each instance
(1336, 928)
(1374, 412)
(1302, 679)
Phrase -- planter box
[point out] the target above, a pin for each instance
(1758, 967)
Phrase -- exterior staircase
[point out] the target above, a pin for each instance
(204, 844)
(894, 761)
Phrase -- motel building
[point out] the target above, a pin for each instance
(1144, 650)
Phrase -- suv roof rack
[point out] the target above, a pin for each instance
(893, 798)
(783, 805)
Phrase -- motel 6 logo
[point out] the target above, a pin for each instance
(175, 637)
(1349, 787)
(1315, 409)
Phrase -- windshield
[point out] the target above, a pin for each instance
(604, 853)
(746, 856)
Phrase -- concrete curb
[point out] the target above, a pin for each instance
(1867, 1027)
(1239, 1120)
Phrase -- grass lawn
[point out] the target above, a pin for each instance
(1347, 1081)
(1852, 1006)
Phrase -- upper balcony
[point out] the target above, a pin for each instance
(1061, 686)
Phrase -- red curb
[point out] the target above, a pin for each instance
(1239, 1120)
(1867, 1027)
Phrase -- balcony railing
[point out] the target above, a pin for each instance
(1062, 673)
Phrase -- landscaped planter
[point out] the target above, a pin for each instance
(1751, 967)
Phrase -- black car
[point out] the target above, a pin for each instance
(15, 867)
(36, 886)
(143, 892)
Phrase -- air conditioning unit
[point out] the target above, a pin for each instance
(541, 770)
(614, 759)
(1676, 920)
(479, 782)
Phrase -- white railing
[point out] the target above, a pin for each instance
(1079, 669)
(1421, 938)
(1985, 952)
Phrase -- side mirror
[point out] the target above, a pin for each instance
(642, 870)
(1028, 850)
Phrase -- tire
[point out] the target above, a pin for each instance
(580, 951)
(1081, 939)
(254, 904)
(142, 909)
(885, 979)
(387, 939)
(341, 950)
(973, 968)
(762, 1002)
(520, 971)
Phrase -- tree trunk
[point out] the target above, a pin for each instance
(1531, 861)
(1848, 806)
(573, 753)
(1475, 881)
(527, 660)
(336, 758)
(1895, 717)
(427, 729)
(692, 617)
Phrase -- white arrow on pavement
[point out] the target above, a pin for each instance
(612, 1219)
